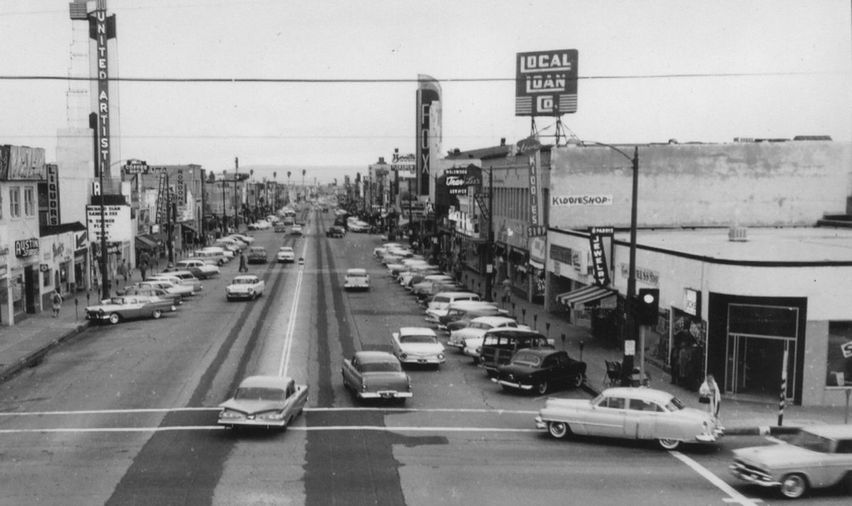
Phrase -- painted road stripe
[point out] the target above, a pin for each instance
(300, 428)
(291, 324)
(733, 495)
(307, 410)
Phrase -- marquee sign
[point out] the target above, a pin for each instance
(116, 222)
(546, 83)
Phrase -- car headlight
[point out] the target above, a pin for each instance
(271, 415)
(229, 414)
(363, 386)
(440, 356)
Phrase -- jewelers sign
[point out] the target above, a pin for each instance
(116, 223)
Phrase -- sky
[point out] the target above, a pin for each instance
(650, 71)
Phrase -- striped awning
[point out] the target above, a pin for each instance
(584, 295)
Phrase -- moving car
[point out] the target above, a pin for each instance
(286, 255)
(335, 231)
(540, 370)
(247, 286)
(630, 413)
(817, 456)
(128, 307)
(280, 228)
(418, 345)
(356, 279)
(296, 230)
(376, 375)
(257, 255)
(216, 256)
(499, 345)
(264, 401)
(198, 267)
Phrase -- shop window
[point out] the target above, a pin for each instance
(15, 202)
(29, 201)
(46, 277)
(839, 367)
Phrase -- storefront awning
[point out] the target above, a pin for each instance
(584, 295)
(536, 264)
(146, 243)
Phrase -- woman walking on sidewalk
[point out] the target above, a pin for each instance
(57, 303)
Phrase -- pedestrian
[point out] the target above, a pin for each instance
(57, 302)
(143, 267)
(507, 290)
(243, 266)
(709, 390)
(121, 270)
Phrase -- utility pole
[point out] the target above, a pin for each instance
(224, 205)
(489, 253)
(170, 216)
(236, 207)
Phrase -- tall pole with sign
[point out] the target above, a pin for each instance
(99, 171)
(236, 208)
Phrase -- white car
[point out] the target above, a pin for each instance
(477, 328)
(356, 279)
(227, 253)
(184, 289)
(199, 267)
(242, 237)
(260, 225)
(286, 255)
(418, 345)
(247, 286)
(441, 301)
(185, 277)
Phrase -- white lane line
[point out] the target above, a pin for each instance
(314, 410)
(300, 428)
(733, 495)
(291, 323)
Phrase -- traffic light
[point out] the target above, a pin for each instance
(647, 306)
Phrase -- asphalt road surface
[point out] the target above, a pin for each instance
(126, 414)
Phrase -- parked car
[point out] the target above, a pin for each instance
(257, 255)
(184, 289)
(264, 401)
(498, 346)
(630, 413)
(184, 277)
(477, 329)
(359, 226)
(247, 286)
(460, 313)
(198, 267)
(376, 375)
(280, 228)
(356, 279)
(286, 255)
(176, 292)
(540, 370)
(243, 237)
(217, 256)
(335, 231)
(296, 230)
(128, 307)
(418, 345)
(438, 304)
(259, 225)
(817, 456)
(148, 290)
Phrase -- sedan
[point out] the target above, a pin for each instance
(198, 267)
(376, 375)
(477, 329)
(247, 286)
(817, 456)
(540, 370)
(128, 307)
(296, 230)
(418, 345)
(630, 413)
(286, 255)
(147, 290)
(257, 255)
(264, 401)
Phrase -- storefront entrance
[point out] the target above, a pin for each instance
(755, 365)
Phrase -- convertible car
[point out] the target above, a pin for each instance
(128, 307)
(376, 375)
(264, 401)
(630, 413)
(247, 286)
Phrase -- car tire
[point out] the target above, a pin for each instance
(542, 387)
(114, 318)
(578, 380)
(156, 314)
(669, 444)
(793, 486)
(558, 430)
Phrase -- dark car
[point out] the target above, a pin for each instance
(257, 255)
(499, 345)
(540, 370)
(335, 231)
(460, 317)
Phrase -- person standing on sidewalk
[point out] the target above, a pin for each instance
(56, 300)
(710, 391)
(243, 266)
(121, 270)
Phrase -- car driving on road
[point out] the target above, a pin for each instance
(264, 401)
(418, 345)
(376, 375)
(247, 286)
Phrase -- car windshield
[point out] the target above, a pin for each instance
(810, 441)
(380, 367)
(480, 325)
(530, 359)
(418, 339)
(260, 394)
(244, 281)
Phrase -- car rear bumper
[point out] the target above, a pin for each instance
(241, 295)
(512, 384)
(385, 394)
(423, 360)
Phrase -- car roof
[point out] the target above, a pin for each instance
(472, 304)
(375, 356)
(513, 331)
(356, 271)
(541, 352)
(455, 294)
(830, 431)
(493, 320)
(246, 276)
(285, 248)
(180, 273)
(265, 382)
(257, 248)
(652, 394)
(416, 331)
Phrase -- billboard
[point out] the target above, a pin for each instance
(21, 163)
(116, 223)
(427, 123)
(546, 83)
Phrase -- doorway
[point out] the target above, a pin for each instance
(754, 366)
(30, 288)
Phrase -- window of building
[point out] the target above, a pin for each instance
(29, 201)
(15, 202)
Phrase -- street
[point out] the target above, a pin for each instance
(126, 414)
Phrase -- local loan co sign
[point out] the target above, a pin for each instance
(26, 247)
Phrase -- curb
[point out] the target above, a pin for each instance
(37, 356)
(761, 430)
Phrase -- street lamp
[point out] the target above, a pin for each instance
(629, 312)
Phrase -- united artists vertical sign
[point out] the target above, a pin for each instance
(102, 28)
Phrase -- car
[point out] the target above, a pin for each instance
(198, 267)
(296, 230)
(540, 370)
(358, 226)
(231, 243)
(285, 255)
(148, 290)
(356, 279)
(280, 228)
(257, 255)
(418, 345)
(817, 456)
(440, 302)
(177, 285)
(630, 413)
(259, 225)
(176, 292)
(335, 231)
(216, 257)
(185, 278)
(376, 375)
(264, 402)
(462, 312)
(247, 286)
(379, 251)
(127, 307)
(243, 237)
(499, 345)
(477, 328)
